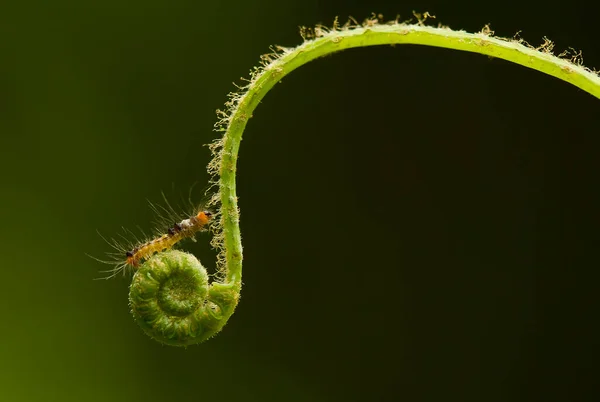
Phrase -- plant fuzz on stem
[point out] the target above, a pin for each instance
(170, 295)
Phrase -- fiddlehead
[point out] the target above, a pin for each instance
(173, 302)
(205, 315)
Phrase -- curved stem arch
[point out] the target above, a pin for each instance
(277, 65)
(171, 296)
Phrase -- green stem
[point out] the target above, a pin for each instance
(278, 65)
(223, 296)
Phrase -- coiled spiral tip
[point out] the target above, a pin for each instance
(172, 301)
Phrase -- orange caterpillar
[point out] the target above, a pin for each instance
(179, 231)
(130, 255)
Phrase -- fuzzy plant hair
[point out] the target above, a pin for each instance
(171, 296)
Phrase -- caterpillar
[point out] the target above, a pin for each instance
(130, 253)
(179, 231)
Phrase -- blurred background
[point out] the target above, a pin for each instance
(419, 224)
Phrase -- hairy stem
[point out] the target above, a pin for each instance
(277, 65)
(161, 287)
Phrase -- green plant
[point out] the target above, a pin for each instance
(169, 309)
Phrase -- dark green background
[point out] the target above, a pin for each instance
(418, 224)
